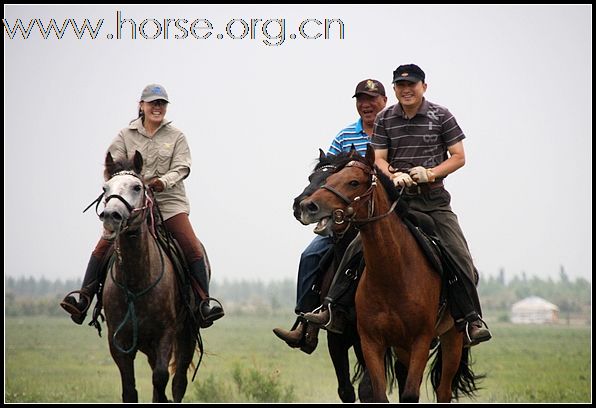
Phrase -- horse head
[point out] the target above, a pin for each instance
(126, 197)
(326, 166)
(343, 197)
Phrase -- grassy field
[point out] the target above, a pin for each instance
(51, 360)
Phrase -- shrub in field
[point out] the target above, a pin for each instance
(210, 390)
(259, 386)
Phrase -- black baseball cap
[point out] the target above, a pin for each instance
(409, 72)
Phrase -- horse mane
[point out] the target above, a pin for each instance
(336, 160)
(393, 193)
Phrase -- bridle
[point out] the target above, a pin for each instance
(147, 203)
(340, 216)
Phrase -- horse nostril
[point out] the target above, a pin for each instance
(110, 215)
(310, 207)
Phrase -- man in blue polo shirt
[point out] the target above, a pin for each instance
(370, 100)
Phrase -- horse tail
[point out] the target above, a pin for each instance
(359, 368)
(172, 363)
(465, 380)
(390, 360)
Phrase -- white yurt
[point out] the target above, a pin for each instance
(534, 309)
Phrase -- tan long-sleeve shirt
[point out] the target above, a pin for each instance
(165, 155)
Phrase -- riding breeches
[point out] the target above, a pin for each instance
(180, 227)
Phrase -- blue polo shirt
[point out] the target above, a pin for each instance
(352, 134)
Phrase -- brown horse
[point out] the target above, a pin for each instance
(141, 296)
(397, 300)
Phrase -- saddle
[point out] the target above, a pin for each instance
(423, 229)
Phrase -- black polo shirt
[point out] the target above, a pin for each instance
(420, 141)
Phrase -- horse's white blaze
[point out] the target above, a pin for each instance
(130, 188)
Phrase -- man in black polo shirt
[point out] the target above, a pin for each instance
(418, 143)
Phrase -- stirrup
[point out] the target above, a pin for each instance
(329, 326)
(77, 316)
(334, 326)
(204, 323)
(468, 342)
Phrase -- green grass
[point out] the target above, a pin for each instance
(52, 360)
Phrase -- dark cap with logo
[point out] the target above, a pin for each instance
(154, 92)
(408, 72)
(370, 87)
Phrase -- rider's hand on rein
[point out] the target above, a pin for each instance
(402, 180)
(422, 175)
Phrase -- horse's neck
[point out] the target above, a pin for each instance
(136, 256)
(384, 242)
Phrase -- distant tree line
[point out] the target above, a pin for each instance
(30, 296)
(572, 297)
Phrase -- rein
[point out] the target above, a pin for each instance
(131, 297)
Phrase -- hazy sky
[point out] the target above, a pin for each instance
(517, 78)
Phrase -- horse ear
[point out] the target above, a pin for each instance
(138, 162)
(353, 151)
(109, 166)
(370, 156)
(322, 154)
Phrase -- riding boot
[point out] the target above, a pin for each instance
(294, 336)
(465, 309)
(207, 313)
(78, 309)
(302, 335)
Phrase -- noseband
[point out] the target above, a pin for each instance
(148, 202)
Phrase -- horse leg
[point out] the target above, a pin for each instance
(161, 375)
(401, 373)
(365, 393)
(374, 355)
(184, 351)
(401, 369)
(338, 351)
(451, 344)
(125, 363)
(416, 366)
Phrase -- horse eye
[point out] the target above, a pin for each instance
(354, 183)
(137, 188)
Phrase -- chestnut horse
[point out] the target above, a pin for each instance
(338, 344)
(397, 300)
(142, 302)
